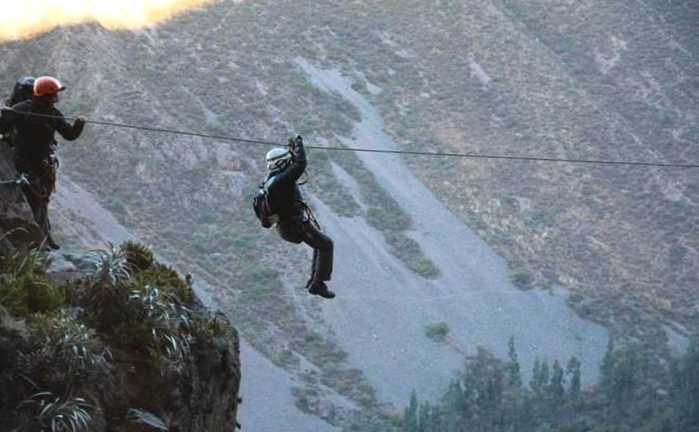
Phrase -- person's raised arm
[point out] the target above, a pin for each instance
(68, 131)
(298, 163)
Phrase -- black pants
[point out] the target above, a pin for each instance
(40, 210)
(42, 178)
(323, 249)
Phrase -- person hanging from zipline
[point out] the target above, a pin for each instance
(280, 202)
(33, 124)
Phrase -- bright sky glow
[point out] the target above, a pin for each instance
(25, 18)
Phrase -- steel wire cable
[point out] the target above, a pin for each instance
(473, 155)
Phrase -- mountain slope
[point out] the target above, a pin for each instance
(555, 79)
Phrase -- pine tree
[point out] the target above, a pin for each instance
(556, 387)
(685, 376)
(544, 375)
(424, 417)
(607, 368)
(513, 368)
(410, 418)
(573, 370)
(536, 373)
(451, 407)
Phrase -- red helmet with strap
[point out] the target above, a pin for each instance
(47, 86)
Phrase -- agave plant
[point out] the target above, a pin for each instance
(168, 320)
(66, 353)
(148, 419)
(54, 414)
(74, 345)
(111, 266)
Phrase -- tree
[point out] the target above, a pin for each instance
(410, 418)
(424, 417)
(544, 375)
(685, 389)
(514, 374)
(623, 370)
(607, 368)
(536, 372)
(452, 408)
(556, 386)
(573, 371)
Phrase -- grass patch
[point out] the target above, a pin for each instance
(438, 331)
(410, 253)
(522, 280)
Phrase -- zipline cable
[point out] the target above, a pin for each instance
(372, 150)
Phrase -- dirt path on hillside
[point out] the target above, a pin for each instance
(383, 308)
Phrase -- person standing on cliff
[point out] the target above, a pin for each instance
(34, 123)
(23, 90)
(280, 202)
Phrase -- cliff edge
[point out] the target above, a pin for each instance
(105, 340)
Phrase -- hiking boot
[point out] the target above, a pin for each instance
(320, 289)
(52, 244)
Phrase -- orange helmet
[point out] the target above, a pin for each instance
(47, 86)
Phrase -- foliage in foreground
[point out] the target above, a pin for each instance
(131, 309)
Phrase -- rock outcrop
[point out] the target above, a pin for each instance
(113, 337)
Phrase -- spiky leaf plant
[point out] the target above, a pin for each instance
(66, 352)
(76, 347)
(147, 419)
(169, 323)
(138, 255)
(55, 414)
(111, 266)
(108, 295)
(167, 280)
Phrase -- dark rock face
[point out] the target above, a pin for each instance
(208, 401)
(202, 395)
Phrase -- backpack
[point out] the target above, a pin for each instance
(24, 89)
(262, 205)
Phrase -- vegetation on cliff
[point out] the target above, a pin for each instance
(120, 343)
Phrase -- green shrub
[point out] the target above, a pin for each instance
(168, 324)
(166, 279)
(410, 253)
(138, 256)
(30, 293)
(438, 332)
(15, 263)
(206, 329)
(132, 335)
(522, 280)
(71, 347)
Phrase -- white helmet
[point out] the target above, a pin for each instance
(278, 158)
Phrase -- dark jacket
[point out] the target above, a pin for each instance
(34, 137)
(285, 195)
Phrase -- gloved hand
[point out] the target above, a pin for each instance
(80, 121)
(294, 143)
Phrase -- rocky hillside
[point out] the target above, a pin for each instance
(108, 340)
(560, 79)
